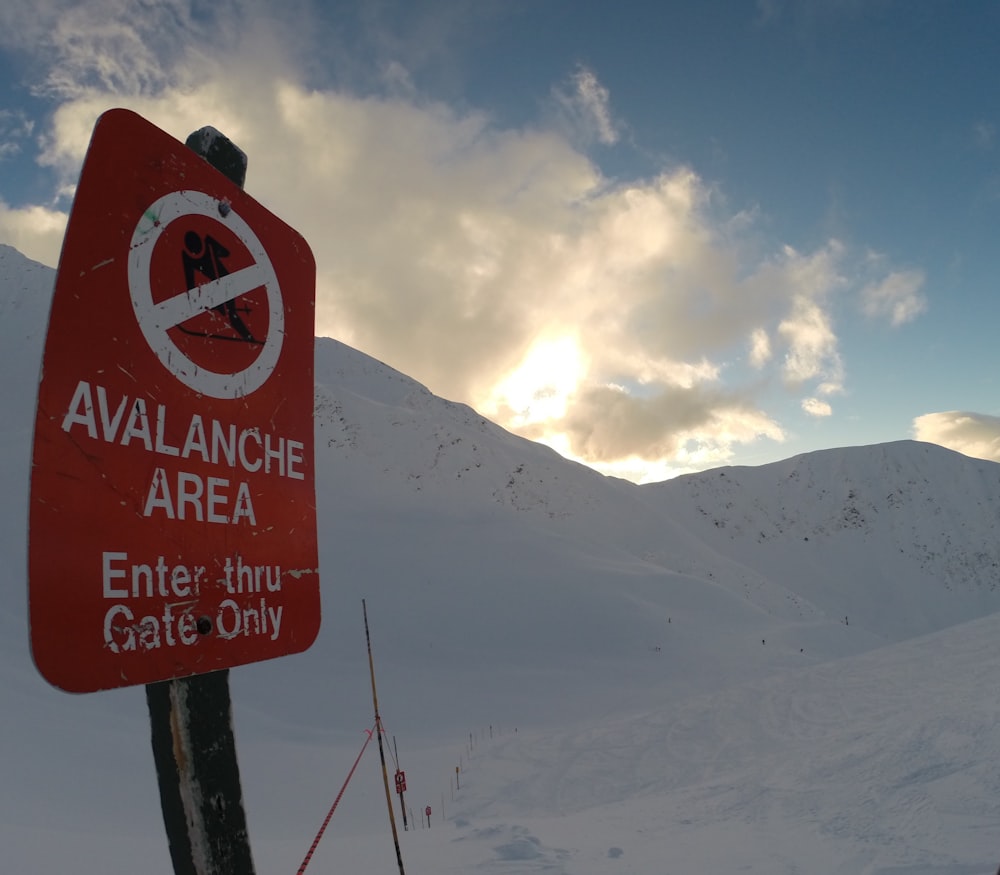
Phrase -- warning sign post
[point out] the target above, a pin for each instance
(172, 512)
(172, 523)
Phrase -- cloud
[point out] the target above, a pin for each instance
(812, 344)
(35, 231)
(984, 135)
(15, 130)
(586, 108)
(804, 283)
(896, 296)
(973, 434)
(760, 348)
(114, 46)
(767, 10)
(496, 265)
(607, 423)
(816, 407)
(811, 16)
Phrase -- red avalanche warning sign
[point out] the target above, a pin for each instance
(172, 520)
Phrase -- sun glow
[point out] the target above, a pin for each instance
(539, 388)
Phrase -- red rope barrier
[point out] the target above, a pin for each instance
(333, 807)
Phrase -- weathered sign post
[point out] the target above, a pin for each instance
(191, 724)
(172, 527)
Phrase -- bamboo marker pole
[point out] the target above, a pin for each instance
(381, 749)
(399, 789)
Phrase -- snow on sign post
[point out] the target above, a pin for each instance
(172, 513)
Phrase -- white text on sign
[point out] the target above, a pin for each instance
(126, 628)
(184, 495)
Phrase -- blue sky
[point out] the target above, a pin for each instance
(659, 237)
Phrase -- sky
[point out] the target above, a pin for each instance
(659, 239)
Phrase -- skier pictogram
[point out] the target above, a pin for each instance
(209, 285)
(204, 257)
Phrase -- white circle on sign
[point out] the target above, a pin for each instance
(156, 319)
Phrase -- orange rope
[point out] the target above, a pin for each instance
(333, 807)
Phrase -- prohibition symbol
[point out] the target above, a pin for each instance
(157, 318)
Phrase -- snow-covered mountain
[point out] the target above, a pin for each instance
(719, 661)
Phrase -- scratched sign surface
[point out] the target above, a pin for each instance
(172, 524)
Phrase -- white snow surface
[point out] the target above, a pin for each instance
(783, 669)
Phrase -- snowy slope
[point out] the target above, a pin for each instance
(882, 763)
(902, 538)
(675, 656)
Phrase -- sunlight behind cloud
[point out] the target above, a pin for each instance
(540, 388)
